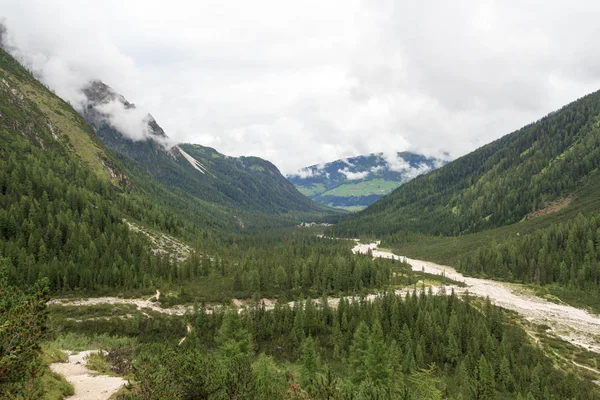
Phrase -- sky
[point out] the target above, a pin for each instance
(302, 83)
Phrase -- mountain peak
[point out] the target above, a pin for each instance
(98, 92)
(356, 182)
(105, 106)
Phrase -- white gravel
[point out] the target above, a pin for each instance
(88, 385)
(572, 324)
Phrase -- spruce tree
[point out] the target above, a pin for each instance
(359, 352)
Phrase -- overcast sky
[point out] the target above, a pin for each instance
(305, 82)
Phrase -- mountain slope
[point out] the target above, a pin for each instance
(26, 100)
(510, 179)
(357, 182)
(246, 184)
(63, 198)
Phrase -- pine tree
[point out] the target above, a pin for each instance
(232, 338)
(268, 381)
(310, 365)
(377, 359)
(484, 387)
(359, 352)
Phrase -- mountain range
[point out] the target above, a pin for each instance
(357, 182)
(516, 177)
(95, 202)
(246, 184)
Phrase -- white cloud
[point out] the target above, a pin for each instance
(304, 173)
(353, 176)
(377, 169)
(132, 122)
(413, 172)
(301, 83)
(395, 162)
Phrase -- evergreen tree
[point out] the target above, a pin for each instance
(377, 359)
(310, 365)
(359, 353)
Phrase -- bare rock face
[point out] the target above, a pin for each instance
(99, 94)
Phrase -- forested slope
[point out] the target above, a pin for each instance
(496, 185)
(63, 197)
(244, 184)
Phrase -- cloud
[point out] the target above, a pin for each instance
(131, 122)
(395, 162)
(353, 176)
(398, 164)
(2, 33)
(310, 82)
(304, 173)
(413, 172)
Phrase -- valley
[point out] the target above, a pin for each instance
(137, 266)
(357, 182)
(571, 324)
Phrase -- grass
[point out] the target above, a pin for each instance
(314, 189)
(350, 208)
(99, 363)
(568, 354)
(363, 188)
(55, 386)
(72, 126)
(576, 298)
(79, 342)
(52, 352)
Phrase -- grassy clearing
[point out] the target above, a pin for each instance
(314, 189)
(81, 138)
(77, 342)
(350, 208)
(364, 188)
(569, 356)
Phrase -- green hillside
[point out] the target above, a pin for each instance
(63, 198)
(525, 208)
(78, 220)
(499, 184)
(357, 182)
(247, 187)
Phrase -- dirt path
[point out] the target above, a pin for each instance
(572, 324)
(139, 303)
(88, 386)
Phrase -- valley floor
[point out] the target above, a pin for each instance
(573, 325)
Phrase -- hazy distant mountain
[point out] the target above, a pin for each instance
(238, 183)
(535, 170)
(357, 182)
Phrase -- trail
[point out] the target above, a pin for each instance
(139, 303)
(571, 324)
(88, 385)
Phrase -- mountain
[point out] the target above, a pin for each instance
(524, 208)
(244, 184)
(79, 219)
(64, 198)
(357, 182)
(535, 170)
